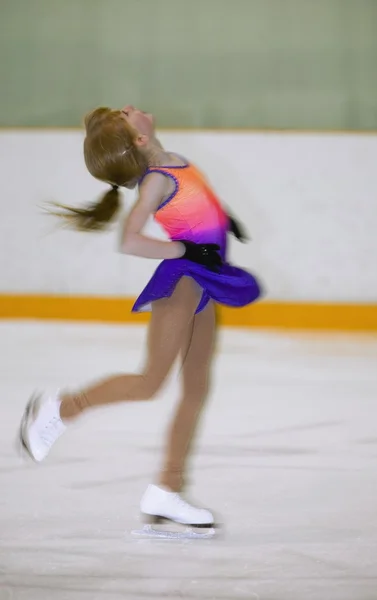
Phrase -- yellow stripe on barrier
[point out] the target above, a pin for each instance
(281, 315)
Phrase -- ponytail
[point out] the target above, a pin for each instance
(94, 218)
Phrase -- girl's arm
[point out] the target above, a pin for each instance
(152, 192)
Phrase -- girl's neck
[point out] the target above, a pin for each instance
(158, 157)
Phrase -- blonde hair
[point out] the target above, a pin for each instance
(111, 156)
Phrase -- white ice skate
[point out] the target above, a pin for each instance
(159, 505)
(41, 426)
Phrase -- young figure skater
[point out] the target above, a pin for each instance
(121, 148)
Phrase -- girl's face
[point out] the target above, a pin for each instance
(139, 120)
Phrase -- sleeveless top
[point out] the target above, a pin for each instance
(192, 212)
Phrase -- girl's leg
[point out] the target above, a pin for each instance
(169, 326)
(197, 354)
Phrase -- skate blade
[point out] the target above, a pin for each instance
(148, 532)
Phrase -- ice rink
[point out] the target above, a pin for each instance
(286, 457)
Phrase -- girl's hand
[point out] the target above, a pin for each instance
(238, 230)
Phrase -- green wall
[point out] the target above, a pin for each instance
(194, 63)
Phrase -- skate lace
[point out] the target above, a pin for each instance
(50, 432)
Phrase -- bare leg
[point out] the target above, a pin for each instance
(170, 323)
(197, 354)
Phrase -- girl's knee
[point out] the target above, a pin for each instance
(152, 383)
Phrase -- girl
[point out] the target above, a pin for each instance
(121, 148)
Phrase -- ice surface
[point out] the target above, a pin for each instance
(286, 458)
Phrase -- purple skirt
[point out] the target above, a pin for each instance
(231, 286)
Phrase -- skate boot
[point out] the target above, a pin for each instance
(41, 426)
(160, 505)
